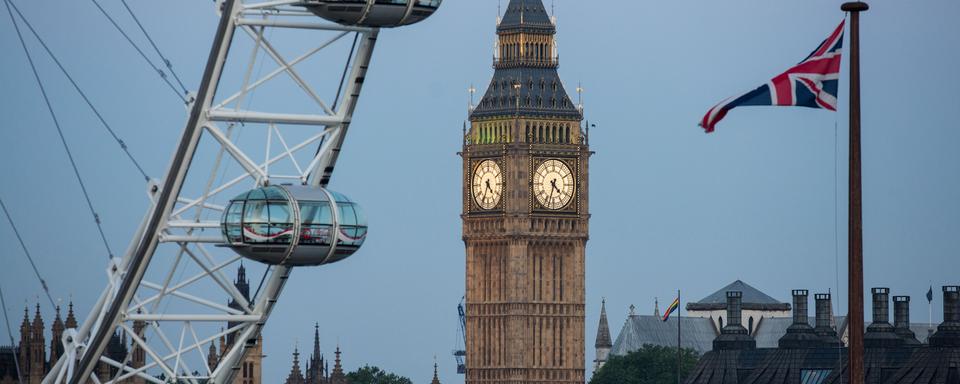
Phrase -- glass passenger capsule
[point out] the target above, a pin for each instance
(293, 225)
(374, 13)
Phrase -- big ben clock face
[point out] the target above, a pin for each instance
(487, 184)
(553, 184)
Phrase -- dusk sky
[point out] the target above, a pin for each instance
(763, 199)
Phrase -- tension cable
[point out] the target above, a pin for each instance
(56, 123)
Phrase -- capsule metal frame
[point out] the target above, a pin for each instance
(235, 222)
(374, 13)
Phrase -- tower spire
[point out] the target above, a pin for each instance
(436, 378)
(316, 340)
(603, 331)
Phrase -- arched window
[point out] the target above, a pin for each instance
(721, 321)
(540, 134)
(750, 323)
(527, 136)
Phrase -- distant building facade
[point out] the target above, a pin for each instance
(35, 356)
(765, 319)
(317, 368)
(814, 354)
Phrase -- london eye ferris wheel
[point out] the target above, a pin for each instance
(248, 180)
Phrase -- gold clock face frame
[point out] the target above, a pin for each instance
(487, 185)
(554, 184)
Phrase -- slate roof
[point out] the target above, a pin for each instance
(547, 100)
(727, 366)
(603, 330)
(698, 334)
(541, 94)
(752, 299)
(880, 365)
(769, 331)
(526, 15)
(796, 366)
(930, 366)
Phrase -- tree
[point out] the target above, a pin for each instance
(648, 365)
(374, 375)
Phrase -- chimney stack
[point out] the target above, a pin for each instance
(800, 334)
(881, 334)
(824, 329)
(734, 336)
(901, 320)
(948, 333)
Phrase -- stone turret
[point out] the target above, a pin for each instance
(337, 376)
(138, 355)
(71, 322)
(25, 342)
(296, 376)
(212, 360)
(37, 349)
(436, 378)
(56, 335)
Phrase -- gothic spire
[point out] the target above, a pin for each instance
(37, 319)
(656, 307)
(316, 341)
(296, 376)
(436, 379)
(71, 319)
(56, 332)
(212, 355)
(337, 376)
(242, 283)
(26, 319)
(526, 16)
(525, 81)
(603, 331)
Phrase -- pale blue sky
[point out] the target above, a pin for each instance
(672, 208)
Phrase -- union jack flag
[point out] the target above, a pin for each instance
(812, 83)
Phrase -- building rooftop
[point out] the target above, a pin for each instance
(753, 299)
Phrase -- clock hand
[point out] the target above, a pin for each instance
(553, 183)
(488, 186)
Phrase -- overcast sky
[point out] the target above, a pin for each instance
(672, 208)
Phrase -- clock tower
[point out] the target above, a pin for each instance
(525, 213)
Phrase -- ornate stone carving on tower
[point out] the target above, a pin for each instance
(525, 213)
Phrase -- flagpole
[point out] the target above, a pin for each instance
(855, 228)
(678, 336)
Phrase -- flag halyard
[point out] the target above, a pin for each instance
(812, 83)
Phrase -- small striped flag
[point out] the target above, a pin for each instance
(671, 309)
